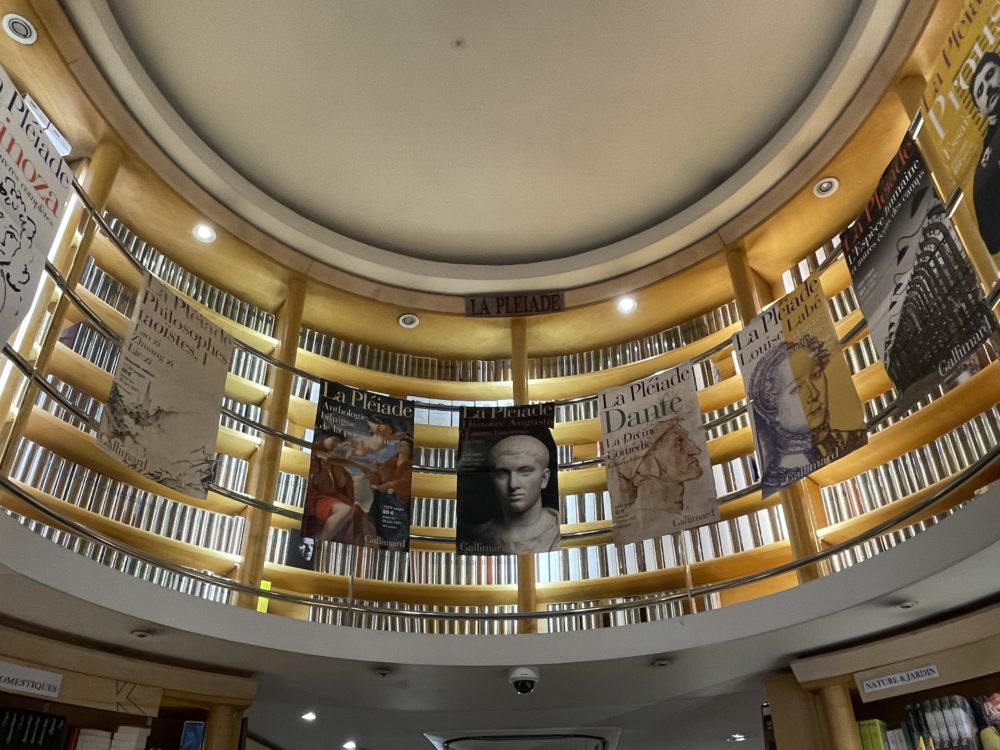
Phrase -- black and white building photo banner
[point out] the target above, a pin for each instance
(162, 417)
(925, 309)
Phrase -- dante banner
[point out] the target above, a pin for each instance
(804, 409)
(961, 108)
(926, 311)
(508, 493)
(35, 185)
(360, 474)
(162, 417)
(659, 476)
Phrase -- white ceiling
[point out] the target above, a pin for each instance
(478, 141)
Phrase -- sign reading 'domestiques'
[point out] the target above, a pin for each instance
(162, 417)
(510, 305)
(35, 185)
(659, 476)
(18, 678)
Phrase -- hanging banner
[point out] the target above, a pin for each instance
(508, 493)
(361, 470)
(961, 107)
(925, 309)
(659, 476)
(803, 407)
(35, 186)
(162, 417)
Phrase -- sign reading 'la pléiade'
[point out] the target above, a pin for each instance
(506, 305)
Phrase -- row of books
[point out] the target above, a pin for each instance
(953, 722)
(21, 729)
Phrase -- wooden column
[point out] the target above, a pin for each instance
(262, 474)
(222, 730)
(70, 258)
(802, 508)
(840, 721)
(527, 597)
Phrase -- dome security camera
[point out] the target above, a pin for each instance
(523, 679)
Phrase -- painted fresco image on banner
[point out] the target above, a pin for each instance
(925, 309)
(162, 417)
(508, 492)
(803, 407)
(962, 111)
(659, 475)
(35, 185)
(361, 469)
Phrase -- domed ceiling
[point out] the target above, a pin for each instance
(460, 145)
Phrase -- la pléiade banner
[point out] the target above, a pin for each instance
(961, 107)
(926, 311)
(35, 185)
(804, 409)
(361, 470)
(508, 488)
(162, 417)
(659, 476)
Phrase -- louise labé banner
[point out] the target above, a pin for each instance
(961, 108)
(162, 417)
(35, 185)
(659, 476)
(925, 309)
(804, 409)
(361, 469)
(508, 493)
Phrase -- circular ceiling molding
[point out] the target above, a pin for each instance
(560, 144)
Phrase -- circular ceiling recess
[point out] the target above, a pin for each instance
(461, 146)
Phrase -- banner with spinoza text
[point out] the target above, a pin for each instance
(925, 309)
(803, 407)
(659, 476)
(35, 186)
(360, 474)
(508, 488)
(961, 107)
(162, 418)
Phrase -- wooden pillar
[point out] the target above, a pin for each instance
(262, 475)
(222, 730)
(840, 721)
(70, 258)
(802, 508)
(527, 597)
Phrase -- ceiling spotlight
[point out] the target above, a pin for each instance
(408, 320)
(204, 233)
(349, 745)
(736, 737)
(309, 716)
(826, 187)
(626, 305)
(909, 604)
(661, 662)
(141, 634)
(20, 29)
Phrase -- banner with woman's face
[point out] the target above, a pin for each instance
(803, 406)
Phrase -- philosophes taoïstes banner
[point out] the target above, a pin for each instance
(508, 492)
(659, 476)
(961, 106)
(162, 417)
(361, 470)
(803, 406)
(925, 309)
(35, 185)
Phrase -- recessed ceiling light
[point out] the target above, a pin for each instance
(408, 320)
(20, 29)
(664, 662)
(349, 745)
(626, 305)
(736, 737)
(909, 604)
(309, 716)
(204, 233)
(826, 187)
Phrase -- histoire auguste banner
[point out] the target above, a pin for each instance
(659, 475)
(162, 417)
